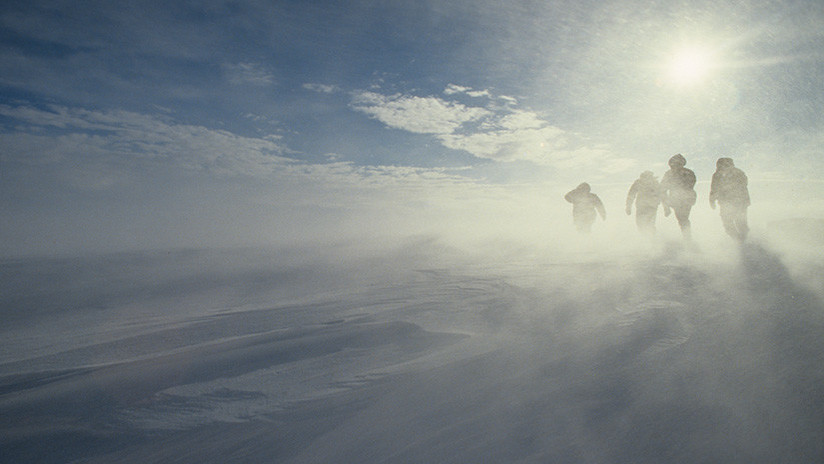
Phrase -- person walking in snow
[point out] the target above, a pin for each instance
(585, 204)
(678, 194)
(645, 192)
(729, 189)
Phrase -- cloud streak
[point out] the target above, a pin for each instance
(248, 73)
(421, 115)
(116, 179)
(320, 88)
(77, 135)
(495, 131)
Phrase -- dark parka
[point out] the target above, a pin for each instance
(584, 207)
(729, 184)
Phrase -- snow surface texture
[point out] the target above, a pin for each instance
(416, 354)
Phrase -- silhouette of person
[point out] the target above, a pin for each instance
(645, 192)
(729, 189)
(584, 207)
(678, 194)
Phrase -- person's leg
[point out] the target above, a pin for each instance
(682, 214)
(584, 221)
(728, 220)
(645, 220)
(583, 224)
(741, 223)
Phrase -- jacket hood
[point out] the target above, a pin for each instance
(723, 163)
(677, 160)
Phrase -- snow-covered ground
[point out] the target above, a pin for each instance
(417, 352)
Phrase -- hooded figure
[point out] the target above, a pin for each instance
(678, 193)
(584, 207)
(646, 194)
(729, 189)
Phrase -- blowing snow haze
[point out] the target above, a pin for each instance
(302, 232)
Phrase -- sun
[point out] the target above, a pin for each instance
(689, 66)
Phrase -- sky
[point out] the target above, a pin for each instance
(135, 124)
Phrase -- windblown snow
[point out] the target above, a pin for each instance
(418, 353)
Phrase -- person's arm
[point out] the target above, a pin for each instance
(599, 205)
(663, 190)
(690, 178)
(716, 179)
(633, 191)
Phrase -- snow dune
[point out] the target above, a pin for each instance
(418, 353)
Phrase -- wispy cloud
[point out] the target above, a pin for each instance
(453, 89)
(248, 73)
(83, 142)
(76, 134)
(421, 115)
(106, 154)
(321, 88)
(493, 131)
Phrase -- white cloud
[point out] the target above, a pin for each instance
(509, 100)
(97, 150)
(453, 89)
(532, 144)
(496, 132)
(86, 135)
(321, 88)
(248, 73)
(479, 93)
(522, 120)
(421, 115)
(510, 136)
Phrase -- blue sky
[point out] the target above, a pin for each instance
(130, 124)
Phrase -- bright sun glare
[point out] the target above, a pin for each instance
(689, 66)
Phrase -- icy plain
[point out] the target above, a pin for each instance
(414, 353)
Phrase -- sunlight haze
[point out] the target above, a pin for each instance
(143, 127)
(411, 231)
